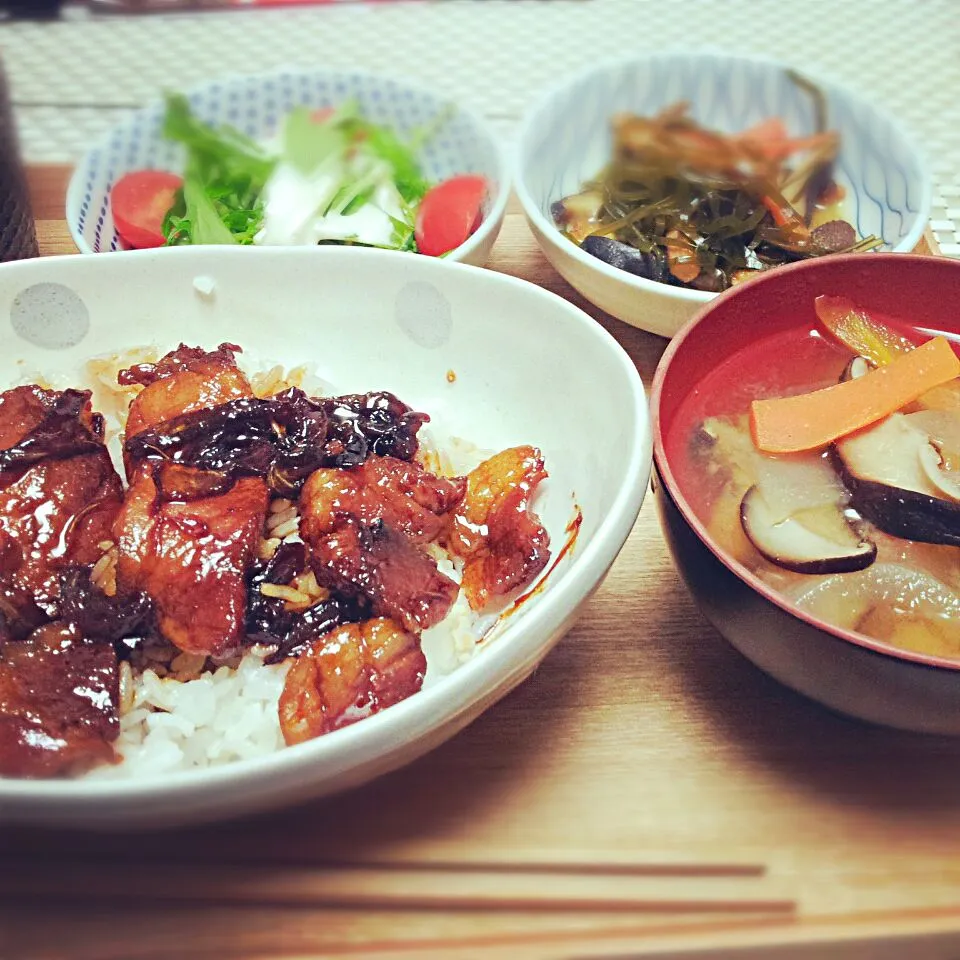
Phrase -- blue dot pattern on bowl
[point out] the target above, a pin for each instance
(256, 106)
(883, 180)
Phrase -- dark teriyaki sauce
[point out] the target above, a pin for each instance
(282, 439)
(290, 632)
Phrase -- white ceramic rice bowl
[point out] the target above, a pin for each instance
(526, 366)
(565, 139)
(256, 105)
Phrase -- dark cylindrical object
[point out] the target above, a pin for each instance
(31, 9)
(18, 237)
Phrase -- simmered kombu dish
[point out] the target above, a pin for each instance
(263, 573)
(685, 205)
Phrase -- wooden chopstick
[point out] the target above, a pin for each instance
(529, 861)
(591, 866)
(919, 934)
(410, 889)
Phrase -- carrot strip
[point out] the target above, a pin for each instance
(779, 217)
(783, 214)
(770, 137)
(813, 420)
(778, 150)
(813, 142)
(773, 128)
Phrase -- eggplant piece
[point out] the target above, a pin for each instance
(887, 471)
(834, 236)
(710, 281)
(624, 257)
(791, 544)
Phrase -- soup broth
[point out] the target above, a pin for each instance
(894, 589)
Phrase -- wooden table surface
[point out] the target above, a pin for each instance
(643, 739)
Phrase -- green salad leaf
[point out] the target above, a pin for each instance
(223, 181)
(403, 230)
(411, 184)
(202, 213)
(215, 147)
(402, 156)
(309, 146)
(226, 173)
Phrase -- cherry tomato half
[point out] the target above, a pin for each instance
(449, 214)
(139, 202)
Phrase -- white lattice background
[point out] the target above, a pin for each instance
(72, 79)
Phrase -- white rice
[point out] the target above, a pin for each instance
(231, 713)
(221, 716)
(181, 712)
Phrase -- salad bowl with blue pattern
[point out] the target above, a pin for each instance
(256, 106)
(566, 140)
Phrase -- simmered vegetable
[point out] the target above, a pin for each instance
(854, 328)
(685, 205)
(877, 344)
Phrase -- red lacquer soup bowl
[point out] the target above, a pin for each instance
(753, 330)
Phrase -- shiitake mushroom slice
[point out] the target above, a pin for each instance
(791, 544)
(887, 470)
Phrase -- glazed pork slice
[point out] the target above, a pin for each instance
(191, 558)
(24, 409)
(403, 494)
(501, 540)
(59, 495)
(377, 563)
(56, 514)
(189, 553)
(186, 379)
(351, 672)
(59, 696)
(60, 687)
(366, 527)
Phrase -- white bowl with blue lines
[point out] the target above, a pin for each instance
(256, 105)
(566, 139)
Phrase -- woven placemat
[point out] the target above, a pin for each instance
(73, 79)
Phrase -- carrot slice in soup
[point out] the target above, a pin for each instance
(813, 420)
